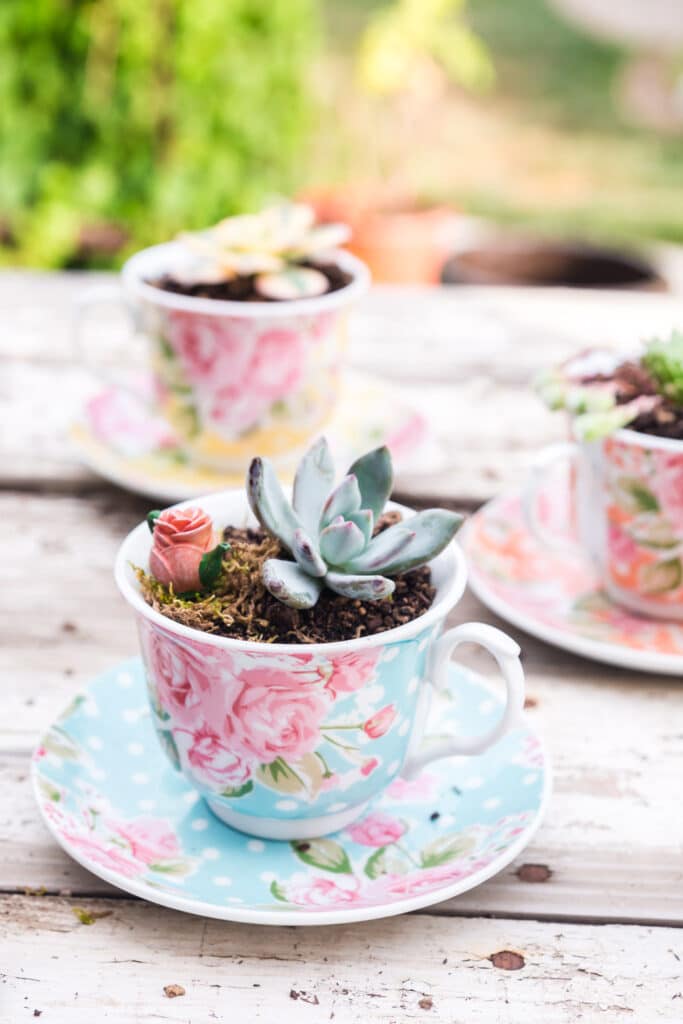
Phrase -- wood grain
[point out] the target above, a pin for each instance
(411, 968)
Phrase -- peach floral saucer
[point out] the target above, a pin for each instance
(555, 594)
(113, 801)
(119, 437)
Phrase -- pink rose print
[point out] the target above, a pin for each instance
(210, 759)
(620, 544)
(182, 678)
(150, 839)
(122, 420)
(376, 830)
(351, 671)
(274, 371)
(321, 892)
(380, 723)
(368, 767)
(669, 487)
(424, 787)
(274, 714)
(108, 857)
(212, 350)
(417, 881)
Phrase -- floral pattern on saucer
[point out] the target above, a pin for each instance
(555, 594)
(122, 439)
(111, 799)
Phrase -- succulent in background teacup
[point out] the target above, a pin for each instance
(603, 392)
(276, 245)
(329, 530)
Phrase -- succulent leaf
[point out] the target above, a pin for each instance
(365, 521)
(340, 542)
(363, 588)
(343, 501)
(291, 283)
(375, 477)
(269, 504)
(383, 549)
(312, 484)
(306, 555)
(432, 530)
(289, 583)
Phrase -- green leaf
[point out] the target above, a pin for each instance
(152, 519)
(279, 776)
(60, 744)
(387, 860)
(633, 495)
(153, 695)
(300, 778)
(653, 532)
(661, 577)
(211, 564)
(289, 583)
(375, 477)
(312, 483)
(168, 745)
(278, 892)
(343, 501)
(363, 588)
(48, 789)
(326, 854)
(176, 867)
(445, 849)
(268, 502)
(237, 791)
(340, 542)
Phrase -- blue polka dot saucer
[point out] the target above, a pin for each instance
(113, 802)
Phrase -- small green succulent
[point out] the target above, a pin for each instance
(586, 386)
(664, 360)
(329, 530)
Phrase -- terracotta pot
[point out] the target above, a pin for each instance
(401, 241)
(521, 261)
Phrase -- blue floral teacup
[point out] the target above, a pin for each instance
(291, 741)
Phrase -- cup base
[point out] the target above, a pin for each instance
(286, 829)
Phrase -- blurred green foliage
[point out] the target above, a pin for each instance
(150, 115)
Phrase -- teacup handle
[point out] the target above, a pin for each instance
(97, 295)
(554, 453)
(506, 653)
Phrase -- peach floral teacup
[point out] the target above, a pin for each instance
(232, 378)
(291, 741)
(628, 514)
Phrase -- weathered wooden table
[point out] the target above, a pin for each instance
(598, 932)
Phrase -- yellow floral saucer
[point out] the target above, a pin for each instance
(119, 437)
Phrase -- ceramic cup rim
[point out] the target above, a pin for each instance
(158, 259)
(452, 558)
(639, 440)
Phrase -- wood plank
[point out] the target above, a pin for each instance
(612, 734)
(412, 968)
(457, 351)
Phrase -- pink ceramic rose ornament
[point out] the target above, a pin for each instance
(183, 554)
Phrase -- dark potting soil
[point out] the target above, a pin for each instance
(241, 289)
(665, 420)
(241, 607)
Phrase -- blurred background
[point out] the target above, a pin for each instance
(123, 122)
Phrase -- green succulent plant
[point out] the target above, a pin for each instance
(664, 360)
(329, 529)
